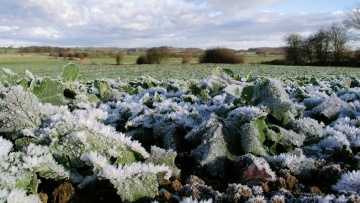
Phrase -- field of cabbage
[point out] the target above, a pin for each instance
(183, 72)
(194, 133)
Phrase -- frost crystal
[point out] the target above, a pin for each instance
(133, 181)
(352, 133)
(309, 127)
(246, 114)
(252, 137)
(257, 199)
(349, 182)
(296, 161)
(212, 152)
(194, 200)
(82, 132)
(19, 110)
(331, 107)
(20, 196)
(271, 94)
(18, 170)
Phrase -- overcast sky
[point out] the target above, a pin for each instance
(237, 24)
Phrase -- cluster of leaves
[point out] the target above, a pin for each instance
(130, 132)
(43, 140)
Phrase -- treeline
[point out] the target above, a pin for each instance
(326, 47)
(66, 52)
(43, 49)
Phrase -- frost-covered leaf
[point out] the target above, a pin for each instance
(352, 133)
(104, 89)
(20, 196)
(212, 152)
(132, 181)
(296, 161)
(19, 110)
(50, 91)
(311, 128)
(349, 182)
(70, 73)
(159, 156)
(331, 107)
(19, 170)
(81, 132)
(253, 136)
(38, 159)
(332, 142)
(10, 78)
(287, 138)
(271, 94)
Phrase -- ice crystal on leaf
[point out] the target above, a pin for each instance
(20, 196)
(309, 127)
(349, 182)
(212, 151)
(18, 170)
(194, 200)
(271, 94)
(331, 107)
(245, 114)
(19, 110)
(256, 199)
(161, 156)
(332, 142)
(252, 137)
(296, 161)
(133, 181)
(38, 159)
(352, 133)
(81, 132)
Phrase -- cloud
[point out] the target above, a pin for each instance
(8, 28)
(42, 32)
(145, 23)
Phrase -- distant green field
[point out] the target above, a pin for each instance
(44, 59)
(183, 72)
(29, 59)
(92, 68)
(256, 59)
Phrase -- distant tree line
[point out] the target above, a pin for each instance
(43, 49)
(327, 46)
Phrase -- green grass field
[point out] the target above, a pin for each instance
(12, 58)
(92, 68)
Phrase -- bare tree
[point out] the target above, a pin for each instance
(338, 36)
(352, 19)
(294, 52)
(320, 46)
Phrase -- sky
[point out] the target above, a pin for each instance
(235, 24)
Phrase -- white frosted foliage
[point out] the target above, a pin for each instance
(349, 182)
